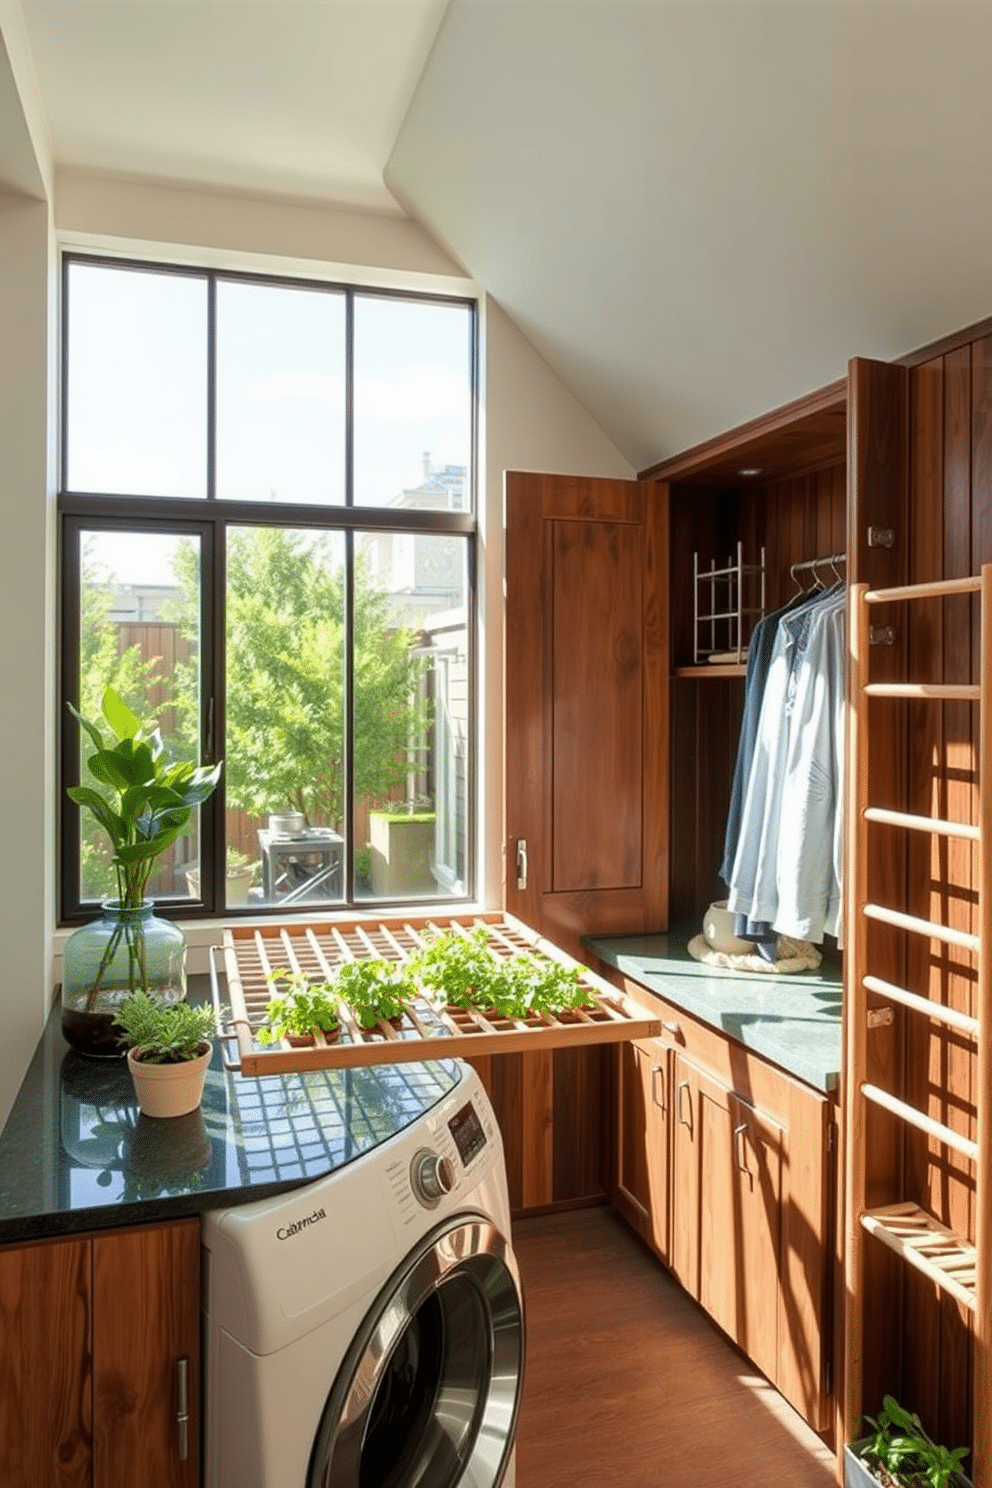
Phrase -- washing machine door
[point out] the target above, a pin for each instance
(427, 1396)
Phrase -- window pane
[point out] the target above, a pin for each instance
(285, 709)
(412, 716)
(280, 393)
(136, 382)
(413, 397)
(140, 634)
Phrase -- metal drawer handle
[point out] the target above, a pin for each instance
(740, 1149)
(658, 1087)
(182, 1408)
(521, 862)
(684, 1085)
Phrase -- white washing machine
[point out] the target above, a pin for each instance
(366, 1330)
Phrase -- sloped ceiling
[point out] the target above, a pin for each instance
(695, 209)
(293, 98)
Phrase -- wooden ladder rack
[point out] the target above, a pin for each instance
(958, 1267)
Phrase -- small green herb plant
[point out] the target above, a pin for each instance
(163, 1033)
(464, 969)
(373, 989)
(303, 1007)
(902, 1448)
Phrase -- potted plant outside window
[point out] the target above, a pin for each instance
(900, 1454)
(169, 1049)
(146, 802)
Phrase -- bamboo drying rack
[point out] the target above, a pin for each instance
(951, 1261)
(426, 1031)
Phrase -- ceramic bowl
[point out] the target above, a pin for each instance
(718, 927)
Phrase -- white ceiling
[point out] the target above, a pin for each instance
(695, 209)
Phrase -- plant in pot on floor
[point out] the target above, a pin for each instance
(900, 1454)
(148, 803)
(168, 1051)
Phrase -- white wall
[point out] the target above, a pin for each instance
(27, 649)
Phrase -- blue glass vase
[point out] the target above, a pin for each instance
(126, 950)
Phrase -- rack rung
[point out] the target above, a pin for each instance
(932, 824)
(934, 589)
(928, 1245)
(920, 1120)
(946, 692)
(901, 921)
(924, 1005)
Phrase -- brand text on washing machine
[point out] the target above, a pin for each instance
(286, 1232)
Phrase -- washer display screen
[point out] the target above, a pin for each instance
(466, 1128)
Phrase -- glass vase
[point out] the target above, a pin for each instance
(124, 951)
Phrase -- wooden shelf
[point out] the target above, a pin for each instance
(427, 1030)
(923, 1242)
(718, 669)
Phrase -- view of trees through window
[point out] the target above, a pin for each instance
(320, 646)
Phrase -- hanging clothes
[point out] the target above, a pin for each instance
(786, 871)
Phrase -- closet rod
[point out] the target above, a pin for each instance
(829, 560)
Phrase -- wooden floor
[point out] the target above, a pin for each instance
(628, 1383)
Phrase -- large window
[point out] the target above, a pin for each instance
(267, 547)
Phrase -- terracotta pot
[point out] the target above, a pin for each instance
(169, 1089)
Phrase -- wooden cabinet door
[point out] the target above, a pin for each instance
(586, 705)
(146, 1322)
(45, 1374)
(727, 1210)
(644, 1141)
(686, 1173)
(740, 1221)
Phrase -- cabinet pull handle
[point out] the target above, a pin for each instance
(675, 1029)
(684, 1085)
(182, 1407)
(521, 862)
(740, 1148)
(658, 1085)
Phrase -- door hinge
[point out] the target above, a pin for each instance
(881, 537)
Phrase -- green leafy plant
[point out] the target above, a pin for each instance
(150, 796)
(903, 1449)
(163, 1033)
(149, 802)
(374, 989)
(464, 969)
(302, 1008)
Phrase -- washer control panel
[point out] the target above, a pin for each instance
(466, 1128)
(431, 1176)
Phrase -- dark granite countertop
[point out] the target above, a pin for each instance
(77, 1155)
(794, 1021)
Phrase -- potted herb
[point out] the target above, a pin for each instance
(464, 969)
(169, 1050)
(900, 1454)
(374, 990)
(303, 1007)
(146, 803)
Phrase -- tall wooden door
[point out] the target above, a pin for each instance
(586, 778)
(586, 694)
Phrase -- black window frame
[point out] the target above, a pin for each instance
(209, 517)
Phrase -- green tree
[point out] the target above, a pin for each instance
(104, 663)
(284, 745)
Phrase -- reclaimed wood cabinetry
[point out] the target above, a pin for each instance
(99, 1352)
(726, 1166)
(586, 781)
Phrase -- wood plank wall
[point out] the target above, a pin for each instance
(950, 534)
(797, 518)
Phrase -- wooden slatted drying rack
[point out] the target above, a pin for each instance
(962, 1269)
(426, 1030)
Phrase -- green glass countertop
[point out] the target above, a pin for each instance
(794, 1021)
